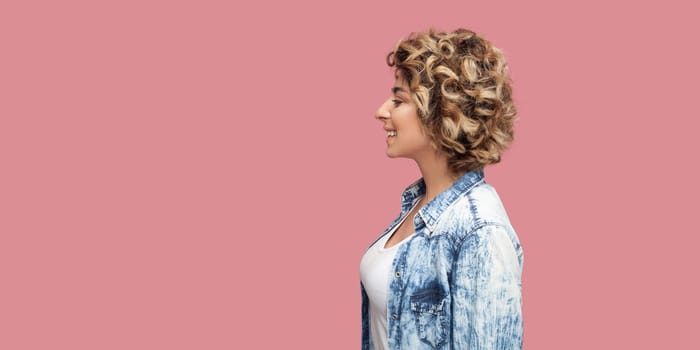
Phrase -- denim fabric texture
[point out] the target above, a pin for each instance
(456, 283)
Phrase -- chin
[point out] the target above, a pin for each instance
(394, 155)
(398, 153)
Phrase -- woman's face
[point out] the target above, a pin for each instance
(399, 116)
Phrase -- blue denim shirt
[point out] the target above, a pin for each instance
(455, 283)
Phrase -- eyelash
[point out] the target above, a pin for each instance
(397, 102)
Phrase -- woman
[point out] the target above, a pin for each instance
(446, 273)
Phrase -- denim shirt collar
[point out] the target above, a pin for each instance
(430, 213)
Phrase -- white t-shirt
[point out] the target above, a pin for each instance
(375, 273)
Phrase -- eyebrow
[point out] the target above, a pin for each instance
(395, 90)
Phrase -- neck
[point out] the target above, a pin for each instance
(436, 175)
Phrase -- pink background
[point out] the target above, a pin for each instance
(201, 175)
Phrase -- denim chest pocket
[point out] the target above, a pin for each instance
(431, 318)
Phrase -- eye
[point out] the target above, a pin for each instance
(396, 102)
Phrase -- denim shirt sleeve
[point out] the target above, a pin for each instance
(487, 304)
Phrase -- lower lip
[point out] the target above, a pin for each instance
(389, 138)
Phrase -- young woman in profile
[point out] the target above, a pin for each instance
(446, 273)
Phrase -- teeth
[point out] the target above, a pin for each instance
(391, 133)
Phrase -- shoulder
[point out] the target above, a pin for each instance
(476, 211)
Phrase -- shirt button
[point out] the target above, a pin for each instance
(394, 316)
(398, 274)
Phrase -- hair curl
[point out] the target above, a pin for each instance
(462, 88)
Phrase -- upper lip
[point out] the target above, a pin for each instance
(388, 129)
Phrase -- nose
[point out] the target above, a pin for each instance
(384, 111)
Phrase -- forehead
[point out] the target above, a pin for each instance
(399, 78)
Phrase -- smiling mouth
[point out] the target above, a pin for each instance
(391, 133)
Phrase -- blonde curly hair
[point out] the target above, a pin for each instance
(460, 83)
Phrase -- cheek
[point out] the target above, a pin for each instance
(417, 139)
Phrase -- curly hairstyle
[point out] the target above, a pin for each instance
(460, 83)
